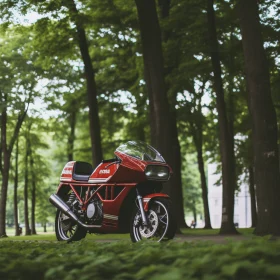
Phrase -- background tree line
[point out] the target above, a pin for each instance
(193, 78)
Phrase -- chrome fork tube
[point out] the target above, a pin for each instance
(140, 202)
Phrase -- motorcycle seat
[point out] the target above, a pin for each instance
(82, 171)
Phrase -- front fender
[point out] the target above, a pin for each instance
(147, 199)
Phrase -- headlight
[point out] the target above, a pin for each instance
(157, 172)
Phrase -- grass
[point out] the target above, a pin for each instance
(186, 232)
(51, 237)
(255, 259)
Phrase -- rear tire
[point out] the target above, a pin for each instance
(66, 229)
(161, 228)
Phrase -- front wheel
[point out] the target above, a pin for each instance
(161, 223)
(66, 229)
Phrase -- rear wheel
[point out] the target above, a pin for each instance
(161, 223)
(66, 229)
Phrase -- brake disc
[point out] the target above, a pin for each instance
(150, 229)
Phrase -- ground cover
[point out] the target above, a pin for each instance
(257, 258)
(187, 235)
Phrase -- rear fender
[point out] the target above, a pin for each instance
(149, 197)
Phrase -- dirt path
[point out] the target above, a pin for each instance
(192, 238)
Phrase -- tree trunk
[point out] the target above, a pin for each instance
(96, 146)
(15, 193)
(198, 141)
(25, 191)
(204, 189)
(71, 139)
(176, 161)
(194, 213)
(175, 184)
(5, 179)
(227, 153)
(266, 160)
(6, 151)
(33, 194)
(162, 121)
(253, 196)
(4, 169)
(45, 227)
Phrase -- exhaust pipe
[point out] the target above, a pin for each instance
(57, 202)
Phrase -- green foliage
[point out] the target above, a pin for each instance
(255, 259)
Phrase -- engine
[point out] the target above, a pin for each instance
(92, 215)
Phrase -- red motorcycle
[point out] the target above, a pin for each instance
(121, 195)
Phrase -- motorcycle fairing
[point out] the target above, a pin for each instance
(125, 169)
(103, 172)
(147, 199)
(67, 171)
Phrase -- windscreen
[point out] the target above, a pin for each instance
(140, 150)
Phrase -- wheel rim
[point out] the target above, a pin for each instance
(65, 226)
(163, 222)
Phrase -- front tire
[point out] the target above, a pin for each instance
(66, 229)
(162, 224)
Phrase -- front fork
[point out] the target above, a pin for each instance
(141, 207)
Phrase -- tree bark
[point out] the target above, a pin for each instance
(95, 134)
(33, 194)
(197, 138)
(15, 193)
(25, 191)
(71, 138)
(194, 213)
(4, 168)
(227, 152)
(253, 197)
(266, 160)
(176, 161)
(162, 121)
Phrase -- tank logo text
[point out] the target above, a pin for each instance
(104, 171)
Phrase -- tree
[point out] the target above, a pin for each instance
(21, 79)
(162, 124)
(33, 193)
(26, 179)
(196, 128)
(176, 160)
(266, 160)
(16, 191)
(91, 84)
(226, 145)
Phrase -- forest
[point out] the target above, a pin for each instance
(198, 80)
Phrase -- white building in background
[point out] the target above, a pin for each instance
(242, 206)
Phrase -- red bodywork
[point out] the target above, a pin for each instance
(112, 182)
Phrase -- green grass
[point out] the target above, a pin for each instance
(51, 237)
(256, 259)
(187, 232)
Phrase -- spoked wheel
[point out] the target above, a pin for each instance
(66, 229)
(161, 224)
